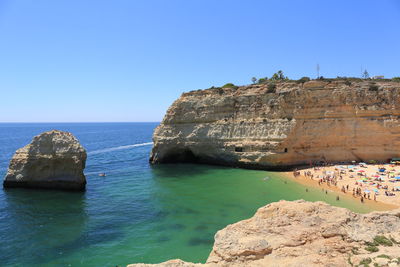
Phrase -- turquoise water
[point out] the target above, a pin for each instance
(138, 213)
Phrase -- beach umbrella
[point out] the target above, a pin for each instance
(361, 171)
(367, 191)
(397, 177)
(376, 190)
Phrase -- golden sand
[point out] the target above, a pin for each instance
(350, 175)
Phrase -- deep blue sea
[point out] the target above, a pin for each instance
(138, 212)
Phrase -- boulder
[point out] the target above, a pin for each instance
(300, 233)
(53, 160)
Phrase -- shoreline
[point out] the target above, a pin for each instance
(381, 204)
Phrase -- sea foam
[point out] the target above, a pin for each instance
(106, 150)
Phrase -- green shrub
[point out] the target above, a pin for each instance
(262, 80)
(384, 256)
(304, 79)
(372, 248)
(279, 76)
(382, 240)
(365, 261)
(271, 88)
(230, 85)
(396, 79)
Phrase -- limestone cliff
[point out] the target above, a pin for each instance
(258, 126)
(53, 159)
(303, 233)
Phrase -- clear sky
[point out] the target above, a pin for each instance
(116, 60)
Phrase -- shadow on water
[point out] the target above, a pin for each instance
(61, 222)
(34, 214)
(198, 241)
(180, 170)
(201, 228)
(177, 226)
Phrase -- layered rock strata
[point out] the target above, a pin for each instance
(303, 233)
(53, 160)
(259, 126)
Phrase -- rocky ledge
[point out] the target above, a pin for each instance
(53, 160)
(284, 124)
(303, 233)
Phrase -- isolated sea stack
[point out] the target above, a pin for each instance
(279, 125)
(53, 160)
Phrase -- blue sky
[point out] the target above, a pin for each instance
(82, 60)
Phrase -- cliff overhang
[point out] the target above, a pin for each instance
(297, 124)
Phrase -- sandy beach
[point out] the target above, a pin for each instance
(372, 184)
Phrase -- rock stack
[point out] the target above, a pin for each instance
(53, 160)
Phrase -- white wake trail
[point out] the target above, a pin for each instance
(105, 150)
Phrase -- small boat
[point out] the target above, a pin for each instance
(103, 174)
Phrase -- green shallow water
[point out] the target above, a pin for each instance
(138, 213)
(192, 203)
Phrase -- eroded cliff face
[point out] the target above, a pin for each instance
(299, 123)
(300, 233)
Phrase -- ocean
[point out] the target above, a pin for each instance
(138, 212)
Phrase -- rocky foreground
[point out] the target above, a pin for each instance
(283, 124)
(53, 160)
(301, 233)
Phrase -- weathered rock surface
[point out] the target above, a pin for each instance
(300, 122)
(53, 159)
(303, 233)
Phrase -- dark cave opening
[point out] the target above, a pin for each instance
(180, 155)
